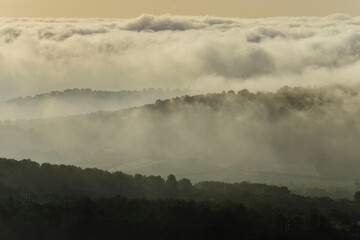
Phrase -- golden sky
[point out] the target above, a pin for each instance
(133, 8)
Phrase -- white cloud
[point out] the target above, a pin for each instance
(39, 55)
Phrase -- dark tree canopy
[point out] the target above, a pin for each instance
(66, 202)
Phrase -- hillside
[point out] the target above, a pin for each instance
(293, 136)
(71, 203)
(80, 101)
(47, 182)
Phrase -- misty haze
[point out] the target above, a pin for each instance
(220, 117)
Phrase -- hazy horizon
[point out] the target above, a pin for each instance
(179, 119)
(300, 72)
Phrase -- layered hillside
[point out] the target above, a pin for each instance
(293, 135)
(80, 101)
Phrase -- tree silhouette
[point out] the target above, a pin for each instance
(357, 196)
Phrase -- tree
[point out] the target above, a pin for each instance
(357, 197)
(185, 187)
(171, 184)
(185, 184)
(171, 180)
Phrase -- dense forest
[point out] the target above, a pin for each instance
(66, 202)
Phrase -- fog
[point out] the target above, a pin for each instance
(293, 135)
(80, 101)
(270, 133)
(206, 54)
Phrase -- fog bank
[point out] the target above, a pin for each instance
(287, 135)
(206, 54)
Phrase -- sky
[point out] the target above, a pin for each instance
(134, 8)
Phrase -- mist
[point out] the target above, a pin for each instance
(269, 133)
(80, 101)
(204, 54)
(292, 135)
(180, 127)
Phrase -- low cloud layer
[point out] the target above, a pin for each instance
(310, 132)
(198, 53)
(294, 135)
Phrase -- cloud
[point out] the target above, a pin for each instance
(298, 131)
(199, 53)
(308, 130)
(151, 23)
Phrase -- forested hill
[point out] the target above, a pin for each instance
(43, 181)
(79, 101)
(86, 94)
(292, 136)
(66, 202)
(46, 182)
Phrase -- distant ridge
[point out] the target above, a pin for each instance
(80, 101)
(88, 92)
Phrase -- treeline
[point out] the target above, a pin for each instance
(66, 202)
(121, 218)
(87, 93)
(279, 102)
(46, 182)
(79, 101)
(25, 179)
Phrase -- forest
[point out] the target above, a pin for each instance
(44, 201)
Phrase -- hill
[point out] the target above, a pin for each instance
(292, 136)
(80, 101)
(67, 202)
